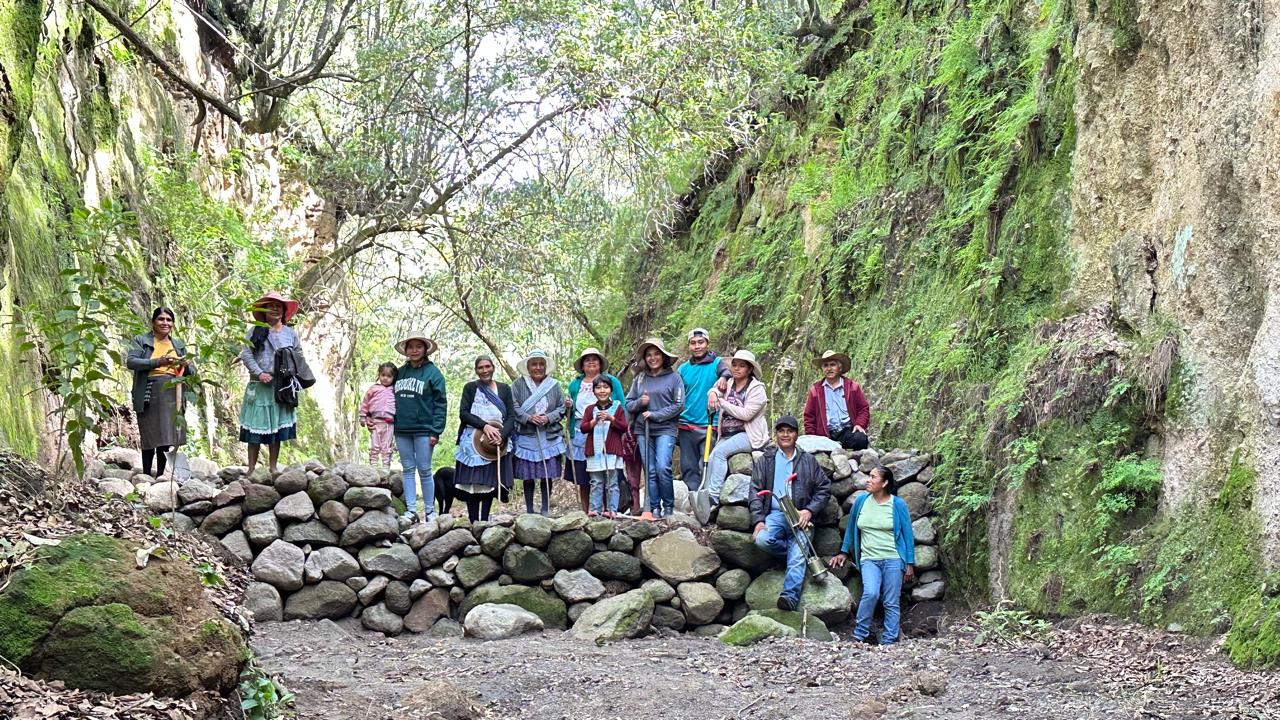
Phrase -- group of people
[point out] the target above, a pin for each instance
(589, 432)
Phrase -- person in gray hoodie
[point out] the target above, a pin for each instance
(655, 402)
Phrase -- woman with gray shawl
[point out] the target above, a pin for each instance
(540, 447)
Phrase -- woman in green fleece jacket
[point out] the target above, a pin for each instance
(420, 414)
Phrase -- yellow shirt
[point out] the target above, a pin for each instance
(163, 348)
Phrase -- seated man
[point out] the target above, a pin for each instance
(809, 491)
(836, 407)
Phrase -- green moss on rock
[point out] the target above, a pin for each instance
(85, 614)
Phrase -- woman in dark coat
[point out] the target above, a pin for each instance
(488, 408)
(157, 359)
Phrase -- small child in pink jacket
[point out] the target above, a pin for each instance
(378, 413)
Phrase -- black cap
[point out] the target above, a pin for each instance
(788, 421)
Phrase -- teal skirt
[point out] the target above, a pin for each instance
(263, 421)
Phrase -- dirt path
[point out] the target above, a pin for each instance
(1080, 672)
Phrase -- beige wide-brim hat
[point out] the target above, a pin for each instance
(431, 344)
(655, 342)
(522, 367)
(845, 362)
(483, 447)
(604, 362)
(749, 358)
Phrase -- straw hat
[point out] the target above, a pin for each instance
(484, 448)
(843, 359)
(604, 363)
(522, 367)
(290, 306)
(749, 358)
(431, 344)
(655, 342)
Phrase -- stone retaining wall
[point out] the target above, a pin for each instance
(325, 542)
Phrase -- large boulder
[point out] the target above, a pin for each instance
(295, 507)
(738, 549)
(734, 517)
(263, 602)
(806, 626)
(259, 498)
(426, 610)
(397, 561)
(334, 515)
(84, 614)
(326, 487)
(700, 602)
(622, 616)
(370, 527)
(814, 444)
(440, 549)
(926, 557)
(737, 487)
(362, 475)
(498, 621)
(196, 491)
(161, 497)
(678, 557)
(733, 584)
(292, 480)
(575, 520)
(325, 599)
(237, 544)
(494, 540)
(222, 521)
(475, 569)
(280, 564)
(916, 495)
(527, 564)
(613, 565)
(824, 597)
(533, 530)
(335, 563)
(262, 529)
(578, 586)
(754, 628)
(550, 608)
(570, 549)
(372, 498)
(924, 531)
(905, 471)
(311, 532)
(381, 619)
(660, 589)
(601, 530)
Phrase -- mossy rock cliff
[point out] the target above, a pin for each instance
(84, 614)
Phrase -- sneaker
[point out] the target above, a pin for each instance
(786, 603)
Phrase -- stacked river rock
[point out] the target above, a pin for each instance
(325, 542)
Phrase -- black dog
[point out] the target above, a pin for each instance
(444, 489)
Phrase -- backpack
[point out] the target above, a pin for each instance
(285, 382)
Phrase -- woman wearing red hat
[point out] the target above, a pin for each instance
(263, 420)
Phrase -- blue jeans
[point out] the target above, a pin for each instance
(604, 490)
(657, 463)
(718, 467)
(777, 540)
(882, 581)
(415, 455)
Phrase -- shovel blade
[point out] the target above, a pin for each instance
(701, 501)
(181, 469)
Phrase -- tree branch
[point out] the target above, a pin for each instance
(201, 95)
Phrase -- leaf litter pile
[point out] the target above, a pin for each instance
(36, 510)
